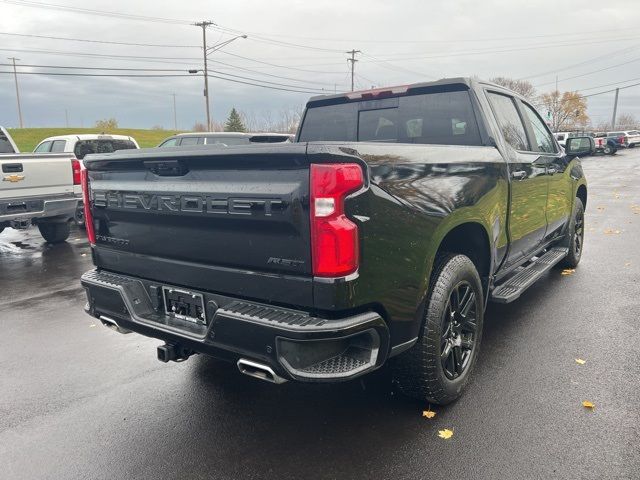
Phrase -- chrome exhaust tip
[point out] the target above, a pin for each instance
(113, 325)
(259, 371)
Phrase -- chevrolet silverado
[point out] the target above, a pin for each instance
(378, 237)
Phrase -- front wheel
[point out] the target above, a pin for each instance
(54, 232)
(575, 236)
(437, 368)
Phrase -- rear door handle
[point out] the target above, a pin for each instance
(519, 174)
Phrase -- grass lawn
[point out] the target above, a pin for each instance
(28, 138)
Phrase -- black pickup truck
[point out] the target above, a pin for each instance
(378, 237)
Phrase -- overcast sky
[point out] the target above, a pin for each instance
(301, 45)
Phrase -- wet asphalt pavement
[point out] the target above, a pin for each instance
(78, 400)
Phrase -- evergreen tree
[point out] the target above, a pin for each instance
(234, 122)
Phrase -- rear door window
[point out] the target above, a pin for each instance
(191, 141)
(172, 142)
(44, 147)
(220, 140)
(509, 120)
(58, 146)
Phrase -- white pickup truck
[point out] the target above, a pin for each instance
(38, 189)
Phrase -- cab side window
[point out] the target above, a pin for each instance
(544, 140)
(58, 146)
(509, 120)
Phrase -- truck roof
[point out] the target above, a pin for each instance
(402, 89)
(88, 136)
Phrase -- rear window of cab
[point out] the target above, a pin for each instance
(445, 118)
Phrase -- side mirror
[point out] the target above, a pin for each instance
(577, 146)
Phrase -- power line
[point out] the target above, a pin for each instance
(590, 73)
(67, 67)
(107, 42)
(116, 75)
(457, 40)
(100, 13)
(590, 60)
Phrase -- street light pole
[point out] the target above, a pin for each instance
(204, 26)
(205, 52)
(353, 64)
(175, 118)
(15, 76)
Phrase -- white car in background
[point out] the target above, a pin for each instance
(561, 137)
(81, 145)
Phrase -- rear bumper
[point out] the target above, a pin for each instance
(27, 208)
(294, 344)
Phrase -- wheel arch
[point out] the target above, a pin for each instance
(581, 193)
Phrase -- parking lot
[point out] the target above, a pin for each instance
(81, 401)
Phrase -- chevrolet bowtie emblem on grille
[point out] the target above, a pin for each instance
(13, 178)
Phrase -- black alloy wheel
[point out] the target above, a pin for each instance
(458, 331)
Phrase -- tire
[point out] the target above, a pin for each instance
(79, 217)
(54, 232)
(426, 372)
(575, 236)
(608, 150)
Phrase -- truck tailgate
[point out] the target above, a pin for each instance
(31, 175)
(232, 220)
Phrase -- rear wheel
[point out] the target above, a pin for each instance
(438, 367)
(54, 232)
(575, 236)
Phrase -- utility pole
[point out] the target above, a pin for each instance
(204, 26)
(175, 118)
(15, 76)
(66, 117)
(353, 64)
(615, 110)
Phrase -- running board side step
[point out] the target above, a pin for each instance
(514, 286)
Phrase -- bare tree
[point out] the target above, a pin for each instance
(627, 121)
(107, 124)
(522, 87)
(566, 111)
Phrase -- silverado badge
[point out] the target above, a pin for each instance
(13, 178)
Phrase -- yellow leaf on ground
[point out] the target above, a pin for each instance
(568, 271)
(428, 413)
(611, 231)
(92, 325)
(600, 209)
(627, 264)
(446, 433)
(588, 404)
(580, 361)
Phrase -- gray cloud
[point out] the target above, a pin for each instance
(402, 42)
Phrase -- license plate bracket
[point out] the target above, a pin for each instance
(184, 304)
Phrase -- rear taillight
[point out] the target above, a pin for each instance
(88, 217)
(334, 238)
(621, 139)
(75, 169)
